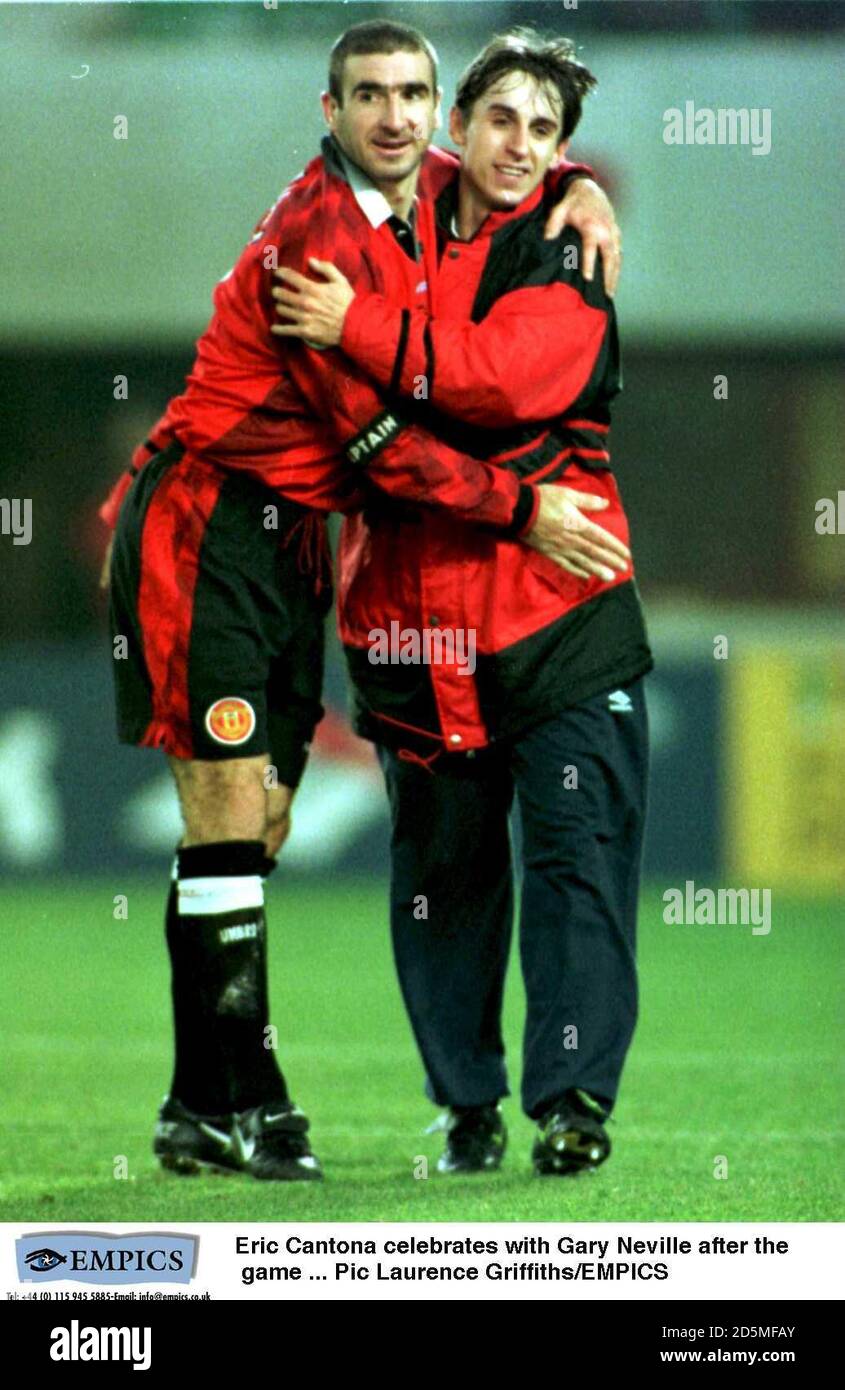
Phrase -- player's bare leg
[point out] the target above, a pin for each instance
(222, 799)
(227, 801)
(278, 819)
(226, 1072)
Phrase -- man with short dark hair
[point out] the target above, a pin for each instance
(520, 362)
(224, 625)
(376, 36)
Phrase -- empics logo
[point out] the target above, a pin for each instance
(89, 1257)
(43, 1260)
(77, 1343)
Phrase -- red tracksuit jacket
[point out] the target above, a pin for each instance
(520, 361)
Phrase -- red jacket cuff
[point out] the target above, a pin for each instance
(110, 509)
(565, 172)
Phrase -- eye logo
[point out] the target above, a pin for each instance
(42, 1260)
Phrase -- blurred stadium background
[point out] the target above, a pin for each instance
(732, 269)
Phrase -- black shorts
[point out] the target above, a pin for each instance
(219, 591)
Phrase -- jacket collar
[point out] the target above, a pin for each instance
(372, 203)
(447, 209)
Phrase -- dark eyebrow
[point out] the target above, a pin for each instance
(500, 106)
(379, 87)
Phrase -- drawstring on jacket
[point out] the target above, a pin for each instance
(407, 755)
(315, 556)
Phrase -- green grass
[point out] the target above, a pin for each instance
(736, 1054)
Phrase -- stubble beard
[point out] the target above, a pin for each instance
(392, 174)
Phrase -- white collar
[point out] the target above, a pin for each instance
(372, 203)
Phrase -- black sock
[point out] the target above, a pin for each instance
(200, 1070)
(216, 933)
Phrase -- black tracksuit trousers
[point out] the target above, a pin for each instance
(580, 780)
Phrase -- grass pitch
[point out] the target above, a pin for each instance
(736, 1054)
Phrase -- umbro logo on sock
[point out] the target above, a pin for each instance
(245, 931)
(619, 702)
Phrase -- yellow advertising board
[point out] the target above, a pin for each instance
(785, 766)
